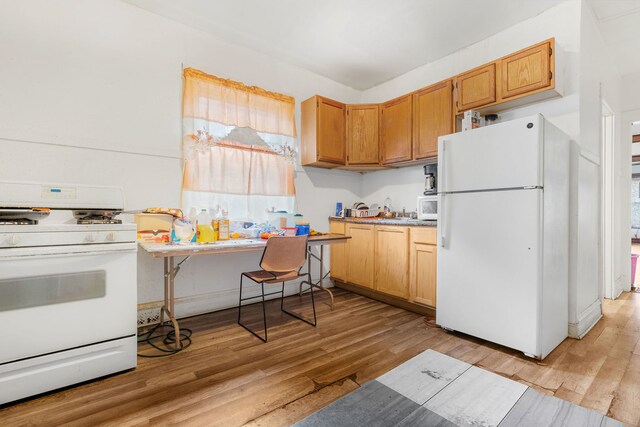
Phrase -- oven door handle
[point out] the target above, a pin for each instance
(67, 251)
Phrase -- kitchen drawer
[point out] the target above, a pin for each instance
(425, 235)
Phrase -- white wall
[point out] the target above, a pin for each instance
(90, 92)
(631, 92)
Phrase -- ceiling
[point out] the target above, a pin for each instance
(619, 23)
(360, 43)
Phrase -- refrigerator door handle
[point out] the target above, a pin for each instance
(441, 222)
(441, 209)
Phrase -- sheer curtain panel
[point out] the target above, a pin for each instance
(238, 147)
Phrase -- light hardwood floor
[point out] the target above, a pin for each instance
(228, 377)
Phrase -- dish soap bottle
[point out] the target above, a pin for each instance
(215, 224)
(223, 226)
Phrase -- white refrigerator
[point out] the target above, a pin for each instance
(503, 234)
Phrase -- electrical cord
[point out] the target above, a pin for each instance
(168, 339)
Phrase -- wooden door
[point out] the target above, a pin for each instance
(476, 88)
(331, 131)
(392, 260)
(432, 117)
(423, 262)
(338, 251)
(362, 134)
(526, 71)
(360, 254)
(396, 130)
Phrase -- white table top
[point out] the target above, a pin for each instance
(226, 246)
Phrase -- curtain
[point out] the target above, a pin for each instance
(238, 147)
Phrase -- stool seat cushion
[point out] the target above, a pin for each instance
(262, 276)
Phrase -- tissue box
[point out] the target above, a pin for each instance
(154, 227)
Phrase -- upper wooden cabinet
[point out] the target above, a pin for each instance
(432, 117)
(475, 88)
(405, 130)
(527, 71)
(396, 130)
(323, 132)
(392, 260)
(363, 134)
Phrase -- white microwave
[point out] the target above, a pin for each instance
(428, 207)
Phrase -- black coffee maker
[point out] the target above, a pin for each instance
(430, 179)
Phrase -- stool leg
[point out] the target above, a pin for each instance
(240, 299)
(264, 314)
(313, 304)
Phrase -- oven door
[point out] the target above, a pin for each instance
(62, 297)
(428, 208)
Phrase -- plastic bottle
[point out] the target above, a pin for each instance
(204, 230)
(387, 206)
(223, 226)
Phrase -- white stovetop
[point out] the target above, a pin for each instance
(63, 221)
(54, 228)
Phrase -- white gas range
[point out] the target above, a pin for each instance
(67, 291)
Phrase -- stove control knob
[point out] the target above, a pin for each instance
(12, 240)
(111, 236)
(92, 237)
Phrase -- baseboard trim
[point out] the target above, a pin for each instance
(194, 305)
(586, 320)
(387, 299)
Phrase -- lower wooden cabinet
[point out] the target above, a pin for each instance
(360, 253)
(392, 260)
(423, 266)
(387, 260)
(338, 251)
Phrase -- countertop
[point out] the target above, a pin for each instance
(384, 221)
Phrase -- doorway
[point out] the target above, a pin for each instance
(608, 205)
(635, 203)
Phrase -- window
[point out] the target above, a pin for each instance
(238, 148)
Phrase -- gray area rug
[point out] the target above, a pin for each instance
(433, 389)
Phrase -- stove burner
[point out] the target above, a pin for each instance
(98, 220)
(18, 221)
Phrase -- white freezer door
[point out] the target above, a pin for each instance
(489, 267)
(504, 155)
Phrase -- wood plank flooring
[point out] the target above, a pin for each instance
(229, 377)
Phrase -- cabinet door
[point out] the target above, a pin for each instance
(432, 117)
(396, 129)
(338, 251)
(476, 88)
(360, 255)
(392, 261)
(331, 131)
(423, 273)
(526, 71)
(362, 134)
